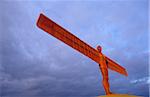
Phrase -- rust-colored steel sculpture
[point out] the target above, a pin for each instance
(71, 40)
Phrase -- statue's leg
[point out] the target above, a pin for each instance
(105, 81)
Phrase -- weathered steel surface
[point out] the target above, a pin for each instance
(71, 40)
(68, 38)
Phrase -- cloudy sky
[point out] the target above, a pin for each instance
(35, 64)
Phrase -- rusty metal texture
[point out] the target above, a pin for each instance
(71, 40)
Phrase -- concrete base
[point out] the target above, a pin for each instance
(119, 95)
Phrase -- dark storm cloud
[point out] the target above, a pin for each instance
(36, 64)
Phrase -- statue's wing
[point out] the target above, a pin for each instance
(66, 37)
(116, 67)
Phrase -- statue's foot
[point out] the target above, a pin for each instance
(108, 93)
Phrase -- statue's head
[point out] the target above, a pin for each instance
(99, 48)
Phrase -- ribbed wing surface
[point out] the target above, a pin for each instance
(65, 36)
(116, 67)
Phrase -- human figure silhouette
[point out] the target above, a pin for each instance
(104, 70)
